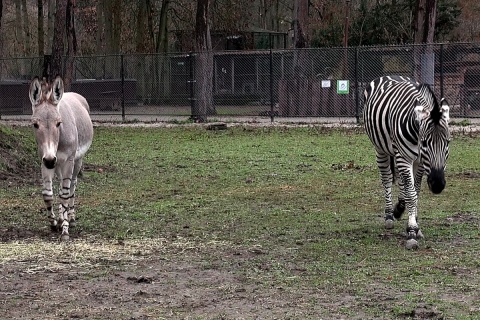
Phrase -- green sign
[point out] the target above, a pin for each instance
(343, 86)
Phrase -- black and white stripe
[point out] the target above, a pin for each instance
(409, 130)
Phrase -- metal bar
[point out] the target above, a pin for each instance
(272, 116)
(122, 76)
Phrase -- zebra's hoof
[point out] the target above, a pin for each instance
(419, 234)
(65, 237)
(411, 244)
(72, 223)
(388, 224)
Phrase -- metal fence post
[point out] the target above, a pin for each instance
(191, 81)
(122, 76)
(357, 105)
(272, 106)
(441, 71)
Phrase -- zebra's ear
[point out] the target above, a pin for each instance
(421, 113)
(35, 93)
(445, 110)
(57, 90)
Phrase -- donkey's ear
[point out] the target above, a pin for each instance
(35, 92)
(57, 90)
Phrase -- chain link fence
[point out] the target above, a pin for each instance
(325, 82)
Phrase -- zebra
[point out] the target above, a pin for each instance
(409, 130)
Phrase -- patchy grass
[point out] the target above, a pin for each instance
(288, 218)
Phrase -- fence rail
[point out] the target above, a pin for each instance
(325, 82)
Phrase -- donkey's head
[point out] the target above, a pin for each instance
(46, 118)
(434, 138)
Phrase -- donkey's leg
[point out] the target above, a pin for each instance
(383, 162)
(406, 173)
(47, 193)
(71, 203)
(66, 171)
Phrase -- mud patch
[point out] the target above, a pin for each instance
(464, 217)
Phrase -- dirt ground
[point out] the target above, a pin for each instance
(163, 279)
(177, 278)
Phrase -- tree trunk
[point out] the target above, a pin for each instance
(100, 25)
(26, 29)
(1, 33)
(424, 34)
(300, 15)
(203, 64)
(162, 38)
(50, 26)
(18, 29)
(58, 46)
(71, 43)
(426, 13)
(162, 74)
(41, 43)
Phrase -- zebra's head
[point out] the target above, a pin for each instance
(434, 137)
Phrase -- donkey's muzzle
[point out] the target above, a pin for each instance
(436, 180)
(49, 162)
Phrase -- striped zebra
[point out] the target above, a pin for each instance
(409, 130)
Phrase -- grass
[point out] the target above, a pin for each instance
(306, 202)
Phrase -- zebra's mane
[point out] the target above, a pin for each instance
(427, 93)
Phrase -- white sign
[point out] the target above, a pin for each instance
(325, 83)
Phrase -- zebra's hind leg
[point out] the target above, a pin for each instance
(399, 209)
(384, 164)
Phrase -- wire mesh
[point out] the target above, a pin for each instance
(323, 82)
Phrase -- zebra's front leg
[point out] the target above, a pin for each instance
(386, 173)
(413, 231)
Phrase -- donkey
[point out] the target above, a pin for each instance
(64, 133)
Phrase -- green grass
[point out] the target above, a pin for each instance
(309, 199)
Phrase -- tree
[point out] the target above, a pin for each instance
(425, 13)
(203, 64)
(71, 43)
(41, 41)
(58, 46)
(1, 33)
(1, 13)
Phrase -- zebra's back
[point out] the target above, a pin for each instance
(389, 114)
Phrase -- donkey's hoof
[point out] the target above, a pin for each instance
(64, 237)
(388, 224)
(411, 244)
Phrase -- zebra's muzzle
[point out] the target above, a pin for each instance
(436, 180)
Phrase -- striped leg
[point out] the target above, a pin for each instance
(406, 173)
(399, 208)
(65, 175)
(47, 193)
(383, 163)
(73, 186)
